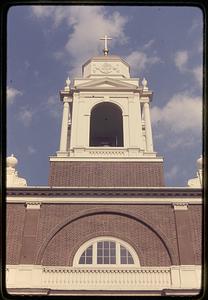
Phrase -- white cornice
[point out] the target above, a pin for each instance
(103, 200)
(90, 159)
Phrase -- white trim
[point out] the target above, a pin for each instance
(144, 158)
(162, 188)
(33, 204)
(180, 206)
(120, 279)
(119, 200)
(94, 241)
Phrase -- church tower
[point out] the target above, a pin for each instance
(106, 134)
(105, 224)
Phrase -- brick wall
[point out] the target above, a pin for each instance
(195, 230)
(14, 232)
(115, 174)
(62, 229)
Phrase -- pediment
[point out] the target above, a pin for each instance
(106, 83)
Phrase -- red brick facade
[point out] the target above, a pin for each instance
(106, 174)
(53, 234)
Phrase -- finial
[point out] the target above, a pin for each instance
(144, 83)
(11, 161)
(199, 163)
(197, 181)
(13, 180)
(105, 39)
(68, 81)
(67, 84)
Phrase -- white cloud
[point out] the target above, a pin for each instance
(31, 150)
(139, 60)
(87, 24)
(12, 93)
(200, 47)
(184, 141)
(181, 59)
(53, 107)
(36, 73)
(149, 44)
(172, 173)
(25, 116)
(197, 72)
(42, 11)
(27, 64)
(59, 55)
(182, 113)
(196, 25)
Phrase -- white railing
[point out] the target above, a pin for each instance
(106, 278)
(106, 152)
(75, 278)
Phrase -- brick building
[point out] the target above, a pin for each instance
(106, 223)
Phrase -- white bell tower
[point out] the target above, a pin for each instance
(106, 114)
(106, 86)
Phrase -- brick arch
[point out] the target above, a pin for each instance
(96, 211)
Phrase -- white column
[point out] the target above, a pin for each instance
(126, 130)
(148, 128)
(87, 125)
(140, 136)
(133, 120)
(64, 126)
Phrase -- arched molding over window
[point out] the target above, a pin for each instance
(106, 125)
(123, 108)
(106, 251)
(137, 216)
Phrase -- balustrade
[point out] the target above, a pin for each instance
(125, 279)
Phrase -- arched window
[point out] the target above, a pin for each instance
(106, 251)
(106, 126)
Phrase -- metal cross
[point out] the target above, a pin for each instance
(105, 39)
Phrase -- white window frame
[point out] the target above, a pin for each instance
(94, 242)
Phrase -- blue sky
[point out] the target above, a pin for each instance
(48, 43)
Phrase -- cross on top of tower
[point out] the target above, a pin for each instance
(105, 39)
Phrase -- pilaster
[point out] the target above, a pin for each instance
(29, 247)
(64, 126)
(184, 239)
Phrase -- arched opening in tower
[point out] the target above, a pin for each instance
(106, 126)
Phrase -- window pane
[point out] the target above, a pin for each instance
(112, 252)
(106, 260)
(100, 252)
(112, 260)
(89, 251)
(82, 260)
(130, 260)
(100, 245)
(106, 244)
(99, 260)
(112, 245)
(86, 257)
(123, 251)
(89, 260)
(123, 260)
(106, 252)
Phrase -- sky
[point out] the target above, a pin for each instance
(46, 44)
